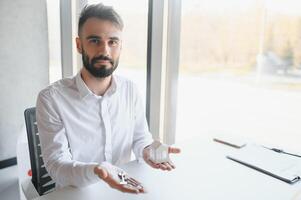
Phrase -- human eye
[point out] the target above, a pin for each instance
(114, 42)
(94, 41)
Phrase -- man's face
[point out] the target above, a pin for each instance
(100, 45)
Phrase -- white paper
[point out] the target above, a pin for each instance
(281, 165)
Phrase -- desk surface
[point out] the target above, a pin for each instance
(202, 173)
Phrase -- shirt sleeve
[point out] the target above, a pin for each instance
(55, 147)
(142, 136)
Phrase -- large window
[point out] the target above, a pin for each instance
(55, 67)
(240, 70)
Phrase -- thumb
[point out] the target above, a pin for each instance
(103, 173)
(174, 150)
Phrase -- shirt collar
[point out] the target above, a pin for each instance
(113, 87)
(85, 91)
(81, 86)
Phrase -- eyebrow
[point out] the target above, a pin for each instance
(97, 37)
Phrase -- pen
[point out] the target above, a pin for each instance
(281, 151)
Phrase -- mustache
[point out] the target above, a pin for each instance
(101, 57)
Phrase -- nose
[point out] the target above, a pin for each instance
(104, 49)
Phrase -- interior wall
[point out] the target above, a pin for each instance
(24, 64)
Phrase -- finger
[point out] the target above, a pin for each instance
(137, 186)
(167, 165)
(152, 164)
(174, 150)
(123, 188)
(134, 181)
(141, 189)
(171, 164)
(162, 166)
(129, 189)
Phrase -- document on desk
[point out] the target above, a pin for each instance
(284, 167)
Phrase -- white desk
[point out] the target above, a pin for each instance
(202, 173)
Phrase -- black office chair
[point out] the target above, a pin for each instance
(40, 177)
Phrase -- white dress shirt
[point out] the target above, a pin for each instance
(79, 130)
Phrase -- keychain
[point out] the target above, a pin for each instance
(126, 180)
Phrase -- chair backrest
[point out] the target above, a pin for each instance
(40, 177)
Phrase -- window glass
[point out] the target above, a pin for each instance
(55, 67)
(240, 72)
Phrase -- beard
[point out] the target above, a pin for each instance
(101, 71)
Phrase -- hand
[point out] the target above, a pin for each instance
(109, 174)
(164, 165)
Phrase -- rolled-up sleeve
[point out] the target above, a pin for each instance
(55, 147)
(142, 136)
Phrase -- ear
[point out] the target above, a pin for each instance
(79, 45)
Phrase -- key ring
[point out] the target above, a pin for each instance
(126, 180)
(122, 178)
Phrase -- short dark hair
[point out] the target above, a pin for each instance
(99, 11)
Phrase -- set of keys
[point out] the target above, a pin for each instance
(126, 180)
